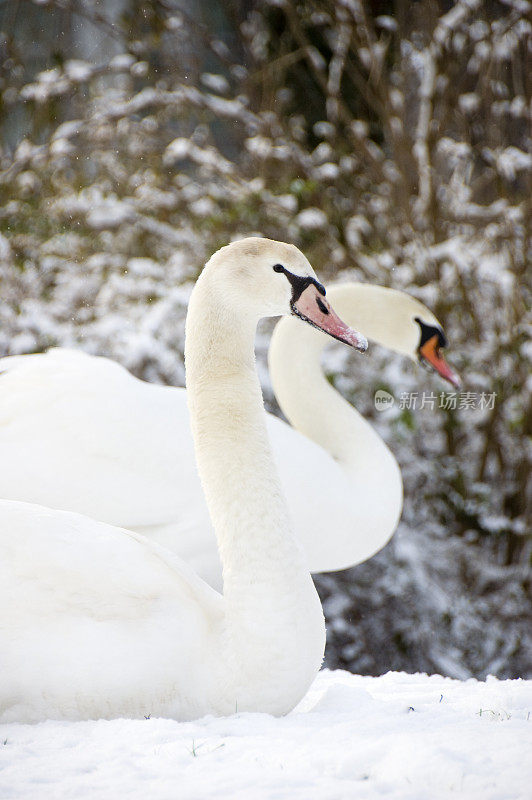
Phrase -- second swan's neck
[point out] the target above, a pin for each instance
(317, 410)
(274, 622)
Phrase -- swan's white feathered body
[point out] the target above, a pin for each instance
(80, 433)
(96, 621)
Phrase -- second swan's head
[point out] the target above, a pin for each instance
(263, 277)
(395, 320)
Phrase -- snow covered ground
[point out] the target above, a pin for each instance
(400, 737)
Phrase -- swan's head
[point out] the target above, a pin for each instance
(261, 277)
(395, 320)
(419, 335)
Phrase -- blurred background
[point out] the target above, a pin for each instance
(391, 141)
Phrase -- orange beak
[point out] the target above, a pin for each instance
(430, 353)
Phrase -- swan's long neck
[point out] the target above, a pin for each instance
(274, 622)
(317, 410)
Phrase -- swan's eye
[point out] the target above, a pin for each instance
(278, 268)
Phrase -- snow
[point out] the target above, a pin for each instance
(398, 736)
(110, 214)
(511, 160)
(311, 219)
(327, 172)
(122, 61)
(61, 147)
(215, 82)
(78, 70)
(323, 152)
(388, 23)
(182, 148)
(287, 202)
(68, 129)
(5, 248)
(324, 129)
(468, 102)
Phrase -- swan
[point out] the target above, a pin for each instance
(80, 433)
(99, 622)
(397, 321)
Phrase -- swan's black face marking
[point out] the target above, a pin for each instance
(322, 306)
(432, 339)
(428, 332)
(299, 284)
(309, 304)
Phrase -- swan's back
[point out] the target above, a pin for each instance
(80, 433)
(91, 611)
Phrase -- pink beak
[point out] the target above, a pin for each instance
(312, 307)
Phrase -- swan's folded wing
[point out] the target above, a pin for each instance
(91, 611)
(80, 433)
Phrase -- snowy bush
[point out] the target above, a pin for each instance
(392, 148)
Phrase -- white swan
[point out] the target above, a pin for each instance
(390, 318)
(81, 434)
(99, 622)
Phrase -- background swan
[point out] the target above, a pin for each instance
(82, 434)
(390, 318)
(100, 622)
